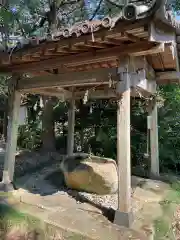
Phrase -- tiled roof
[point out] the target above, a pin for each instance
(134, 11)
(68, 49)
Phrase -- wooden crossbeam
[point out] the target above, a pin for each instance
(75, 79)
(85, 58)
(132, 37)
(97, 94)
(48, 92)
(142, 88)
(169, 75)
(157, 49)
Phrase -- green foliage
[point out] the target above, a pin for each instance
(169, 124)
(164, 225)
(176, 4)
(30, 136)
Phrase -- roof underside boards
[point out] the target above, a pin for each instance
(122, 38)
(99, 44)
(103, 51)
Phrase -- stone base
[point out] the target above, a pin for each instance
(123, 219)
(6, 187)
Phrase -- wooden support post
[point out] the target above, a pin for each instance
(123, 215)
(9, 161)
(154, 146)
(71, 123)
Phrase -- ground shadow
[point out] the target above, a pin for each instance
(59, 182)
(56, 178)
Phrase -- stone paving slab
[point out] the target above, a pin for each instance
(81, 222)
(62, 211)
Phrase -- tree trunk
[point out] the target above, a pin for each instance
(48, 134)
(82, 138)
(5, 123)
(48, 121)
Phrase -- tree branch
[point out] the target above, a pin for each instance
(115, 4)
(17, 19)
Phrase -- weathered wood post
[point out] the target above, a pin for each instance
(12, 133)
(71, 124)
(154, 145)
(123, 214)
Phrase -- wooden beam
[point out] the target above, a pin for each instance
(47, 93)
(69, 79)
(92, 44)
(132, 37)
(169, 75)
(97, 94)
(9, 161)
(84, 79)
(157, 49)
(167, 36)
(140, 86)
(56, 92)
(85, 58)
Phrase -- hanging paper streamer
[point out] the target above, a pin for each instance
(41, 104)
(85, 99)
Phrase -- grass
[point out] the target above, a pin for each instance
(164, 224)
(14, 223)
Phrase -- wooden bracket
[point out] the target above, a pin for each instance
(138, 81)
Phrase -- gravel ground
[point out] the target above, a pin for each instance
(101, 201)
(29, 162)
(33, 168)
(108, 201)
(37, 182)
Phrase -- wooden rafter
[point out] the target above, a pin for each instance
(120, 28)
(85, 58)
(157, 49)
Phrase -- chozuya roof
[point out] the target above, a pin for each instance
(133, 11)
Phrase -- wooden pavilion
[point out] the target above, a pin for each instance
(127, 55)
